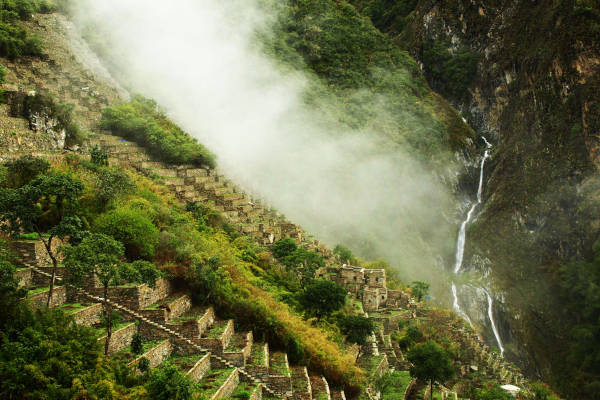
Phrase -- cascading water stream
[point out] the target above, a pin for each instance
(491, 317)
(460, 250)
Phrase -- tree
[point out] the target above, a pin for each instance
(169, 383)
(419, 289)
(133, 228)
(430, 362)
(321, 298)
(24, 169)
(100, 255)
(356, 328)
(10, 292)
(49, 203)
(137, 344)
(343, 254)
(283, 248)
(305, 264)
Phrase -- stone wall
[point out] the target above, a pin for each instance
(229, 386)
(120, 338)
(33, 252)
(382, 367)
(375, 278)
(200, 369)
(24, 277)
(257, 392)
(218, 345)
(43, 280)
(319, 387)
(156, 355)
(59, 297)
(179, 306)
(88, 316)
(238, 358)
(137, 297)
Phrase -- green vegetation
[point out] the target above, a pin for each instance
(101, 255)
(141, 120)
(356, 328)
(419, 289)
(321, 298)
(333, 41)
(15, 42)
(395, 390)
(430, 363)
(169, 383)
(212, 382)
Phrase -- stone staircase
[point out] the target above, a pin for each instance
(247, 214)
(222, 361)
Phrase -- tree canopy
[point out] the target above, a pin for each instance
(322, 298)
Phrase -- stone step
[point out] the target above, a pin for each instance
(193, 323)
(320, 388)
(301, 387)
(239, 348)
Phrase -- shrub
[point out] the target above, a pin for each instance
(322, 298)
(141, 121)
(284, 248)
(98, 156)
(133, 228)
(23, 170)
(137, 344)
(168, 383)
(112, 182)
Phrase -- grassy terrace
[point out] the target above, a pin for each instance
(102, 331)
(127, 354)
(277, 364)
(237, 343)
(72, 308)
(31, 292)
(243, 390)
(217, 330)
(213, 381)
(184, 361)
(189, 316)
(369, 363)
(391, 313)
(395, 391)
(299, 383)
(257, 354)
(163, 302)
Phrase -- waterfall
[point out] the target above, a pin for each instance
(491, 317)
(457, 306)
(460, 250)
(460, 243)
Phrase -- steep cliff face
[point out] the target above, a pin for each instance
(526, 74)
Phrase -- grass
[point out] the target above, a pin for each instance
(71, 308)
(184, 361)
(277, 364)
(213, 381)
(102, 331)
(237, 343)
(217, 330)
(396, 391)
(243, 391)
(31, 292)
(257, 354)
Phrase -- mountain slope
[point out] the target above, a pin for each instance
(535, 94)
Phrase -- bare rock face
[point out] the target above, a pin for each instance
(42, 123)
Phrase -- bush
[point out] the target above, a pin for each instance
(283, 248)
(322, 298)
(112, 182)
(23, 170)
(133, 228)
(141, 121)
(169, 383)
(99, 157)
(14, 40)
(137, 344)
